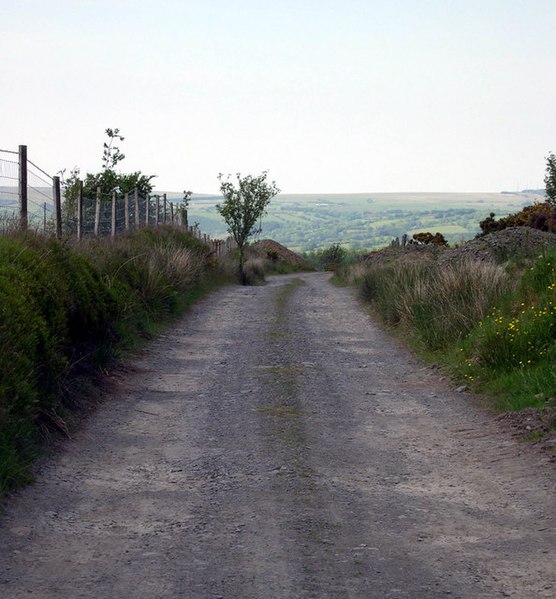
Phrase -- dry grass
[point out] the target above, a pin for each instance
(254, 269)
(441, 304)
(178, 265)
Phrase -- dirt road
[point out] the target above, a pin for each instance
(278, 445)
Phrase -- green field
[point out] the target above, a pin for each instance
(307, 222)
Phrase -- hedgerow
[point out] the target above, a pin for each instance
(67, 309)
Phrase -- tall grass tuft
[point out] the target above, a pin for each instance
(254, 270)
(494, 327)
(437, 304)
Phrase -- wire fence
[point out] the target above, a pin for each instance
(31, 199)
(28, 198)
(98, 213)
(40, 196)
(9, 193)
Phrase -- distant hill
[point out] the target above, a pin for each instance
(305, 222)
(538, 192)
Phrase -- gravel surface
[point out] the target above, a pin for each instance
(277, 444)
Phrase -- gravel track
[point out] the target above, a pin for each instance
(277, 444)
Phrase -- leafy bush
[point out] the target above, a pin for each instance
(331, 257)
(426, 238)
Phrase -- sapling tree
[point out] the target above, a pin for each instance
(108, 179)
(245, 203)
(111, 154)
(550, 179)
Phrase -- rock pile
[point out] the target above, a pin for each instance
(498, 247)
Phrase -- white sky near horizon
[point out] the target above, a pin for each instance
(329, 96)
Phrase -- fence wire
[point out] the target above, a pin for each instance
(40, 198)
(102, 214)
(9, 177)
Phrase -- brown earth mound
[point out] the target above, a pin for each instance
(500, 246)
(497, 247)
(276, 251)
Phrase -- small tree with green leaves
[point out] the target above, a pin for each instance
(550, 179)
(244, 205)
(333, 256)
(107, 179)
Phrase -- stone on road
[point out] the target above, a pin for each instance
(277, 444)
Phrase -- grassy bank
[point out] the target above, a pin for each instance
(492, 325)
(67, 310)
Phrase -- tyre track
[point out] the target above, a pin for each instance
(278, 444)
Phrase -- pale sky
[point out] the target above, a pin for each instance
(329, 96)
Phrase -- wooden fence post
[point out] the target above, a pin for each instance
(23, 217)
(80, 211)
(157, 215)
(57, 206)
(172, 213)
(113, 220)
(126, 211)
(164, 207)
(147, 208)
(137, 221)
(97, 213)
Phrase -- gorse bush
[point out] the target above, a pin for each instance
(54, 306)
(514, 347)
(540, 216)
(65, 310)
